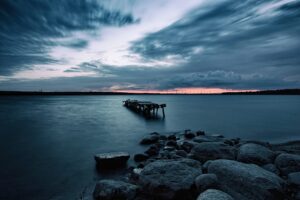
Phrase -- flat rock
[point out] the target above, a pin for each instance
(206, 181)
(114, 190)
(255, 153)
(170, 179)
(113, 159)
(213, 150)
(288, 163)
(247, 181)
(212, 194)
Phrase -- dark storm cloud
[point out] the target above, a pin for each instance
(27, 28)
(256, 40)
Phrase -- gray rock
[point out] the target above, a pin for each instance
(153, 150)
(114, 190)
(140, 157)
(213, 194)
(187, 145)
(213, 150)
(294, 179)
(181, 153)
(206, 181)
(288, 163)
(189, 135)
(271, 168)
(200, 133)
(205, 166)
(247, 181)
(112, 160)
(255, 153)
(150, 139)
(170, 179)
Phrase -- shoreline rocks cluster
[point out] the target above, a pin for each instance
(194, 165)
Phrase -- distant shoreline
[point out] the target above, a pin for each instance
(41, 93)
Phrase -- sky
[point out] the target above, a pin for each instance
(194, 46)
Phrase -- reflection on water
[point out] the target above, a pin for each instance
(47, 143)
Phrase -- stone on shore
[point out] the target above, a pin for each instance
(271, 168)
(153, 150)
(170, 179)
(212, 194)
(288, 163)
(112, 160)
(294, 179)
(255, 153)
(213, 150)
(140, 157)
(114, 190)
(206, 181)
(247, 181)
(150, 139)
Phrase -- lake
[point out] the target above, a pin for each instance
(47, 143)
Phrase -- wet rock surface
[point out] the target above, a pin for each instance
(255, 153)
(195, 165)
(288, 163)
(112, 160)
(247, 181)
(169, 179)
(213, 150)
(114, 190)
(213, 194)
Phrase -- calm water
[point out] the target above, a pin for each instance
(47, 143)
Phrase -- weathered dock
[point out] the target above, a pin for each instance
(147, 108)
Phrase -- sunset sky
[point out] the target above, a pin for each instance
(140, 45)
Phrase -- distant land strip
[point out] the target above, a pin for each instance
(41, 93)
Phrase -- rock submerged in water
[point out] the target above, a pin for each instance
(212, 151)
(247, 181)
(170, 179)
(212, 194)
(255, 153)
(114, 190)
(112, 160)
(288, 163)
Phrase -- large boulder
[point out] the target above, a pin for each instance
(247, 181)
(114, 190)
(288, 163)
(170, 179)
(150, 139)
(112, 160)
(271, 168)
(213, 150)
(294, 179)
(255, 153)
(206, 181)
(212, 194)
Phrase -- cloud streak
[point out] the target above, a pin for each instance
(225, 44)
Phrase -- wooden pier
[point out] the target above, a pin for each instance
(147, 108)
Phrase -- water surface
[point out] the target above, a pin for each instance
(47, 143)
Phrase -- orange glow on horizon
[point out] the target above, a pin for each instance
(185, 91)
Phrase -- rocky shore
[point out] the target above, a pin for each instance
(194, 165)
